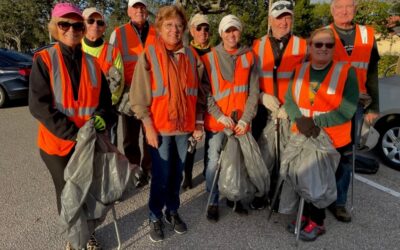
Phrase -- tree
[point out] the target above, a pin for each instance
(303, 18)
(375, 13)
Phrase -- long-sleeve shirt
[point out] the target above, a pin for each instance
(140, 95)
(335, 117)
(227, 63)
(41, 99)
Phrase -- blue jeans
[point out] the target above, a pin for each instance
(213, 147)
(166, 174)
(344, 170)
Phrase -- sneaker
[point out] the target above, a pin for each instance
(177, 223)
(212, 213)
(93, 244)
(230, 203)
(340, 213)
(292, 226)
(156, 231)
(239, 209)
(142, 179)
(312, 231)
(258, 203)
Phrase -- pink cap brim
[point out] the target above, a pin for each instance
(62, 9)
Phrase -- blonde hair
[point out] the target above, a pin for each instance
(168, 12)
(53, 29)
(322, 30)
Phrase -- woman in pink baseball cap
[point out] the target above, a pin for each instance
(67, 88)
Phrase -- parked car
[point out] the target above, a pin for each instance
(388, 123)
(15, 68)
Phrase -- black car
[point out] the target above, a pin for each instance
(15, 68)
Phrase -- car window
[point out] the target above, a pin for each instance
(16, 56)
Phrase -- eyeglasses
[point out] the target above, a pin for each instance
(170, 26)
(319, 45)
(205, 28)
(100, 23)
(282, 6)
(78, 26)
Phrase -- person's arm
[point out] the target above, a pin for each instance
(41, 103)
(250, 109)
(372, 80)
(119, 65)
(203, 91)
(104, 109)
(346, 109)
(290, 106)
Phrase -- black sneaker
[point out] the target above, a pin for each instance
(142, 179)
(258, 203)
(156, 231)
(212, 213)
(239, 209)
(340, 213)
(230, 203)
(176, 222)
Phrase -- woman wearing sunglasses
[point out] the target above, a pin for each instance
(323, 94)
(67, 88)
(108, 57)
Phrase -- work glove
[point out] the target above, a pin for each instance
(124, 106)
(99, 123)
(226, 121)
(305, 125)
(241, 128)
(269, 101)
(114, 79)
(282, 113)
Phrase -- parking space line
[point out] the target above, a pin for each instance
(377, 186)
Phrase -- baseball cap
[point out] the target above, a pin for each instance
(229, 21)
(89, 11)
(198, 19)
(62, 9)
(280, 7)
(133, 2)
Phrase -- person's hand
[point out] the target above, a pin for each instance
(305, 125)
(270, 102)
(369, 118)
(315, 131)
(282, 113)
(241, 128)
(365, 100)
(226, 121)
(198, 132)
(151, 135)
(99, 123)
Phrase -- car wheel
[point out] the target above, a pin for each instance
(389, 144)
(3, 97)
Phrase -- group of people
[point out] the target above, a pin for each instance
(328, 82)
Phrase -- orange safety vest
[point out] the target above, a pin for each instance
(328, 98)
(107, 57)
(360, 56)
(293, 55)
(128, 41)
(228, 96)
(78, 111)
(159, 104)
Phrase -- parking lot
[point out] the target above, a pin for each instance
(28, 217)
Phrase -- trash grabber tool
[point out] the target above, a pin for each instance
(298, 220)
(358, 123)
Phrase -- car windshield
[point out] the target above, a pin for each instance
(15, 56)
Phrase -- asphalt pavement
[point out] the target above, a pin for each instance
(28, 214)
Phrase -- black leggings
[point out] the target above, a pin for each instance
(56, 165)
(315, 214)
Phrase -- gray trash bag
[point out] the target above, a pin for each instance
(309, 165)
(255, 166)
(266, 142)
(233, 181)
(289, 199)
(124, 106)
(96, 176)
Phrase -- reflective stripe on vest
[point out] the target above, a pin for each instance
(125, 54)
(364, 34)
(282, 74)
(57, 88)
(360, 65)
(192, 61)
(109, 53)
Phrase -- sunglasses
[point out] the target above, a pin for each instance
(205, 28)
(78, 26)
(100, 23)
(319, 45)
(288, 6)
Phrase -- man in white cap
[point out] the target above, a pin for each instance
(232, 70)
(356, 45)
(277, 53)
(109, 57)
(131, 39)
(200, 30)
